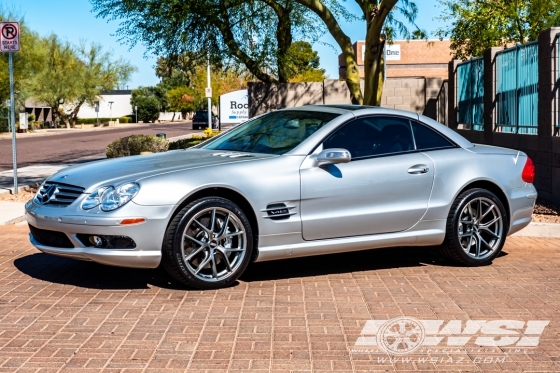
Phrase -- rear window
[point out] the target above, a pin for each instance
(427, 139)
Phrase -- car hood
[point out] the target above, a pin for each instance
(133, 168)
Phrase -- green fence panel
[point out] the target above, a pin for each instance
(517, 82)
(470, 87)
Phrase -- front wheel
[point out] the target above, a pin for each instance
(476, 228)
(208, 244)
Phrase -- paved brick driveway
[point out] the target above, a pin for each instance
(299, 315)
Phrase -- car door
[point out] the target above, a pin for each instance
(384, 188)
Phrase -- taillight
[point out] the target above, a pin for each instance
(528, 174)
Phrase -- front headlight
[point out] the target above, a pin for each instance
(94, 199)
(111, 198)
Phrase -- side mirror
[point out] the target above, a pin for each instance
(333, 156)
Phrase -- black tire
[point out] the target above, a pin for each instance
(204, 244)
(472, 242)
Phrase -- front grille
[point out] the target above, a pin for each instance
(51, 238)
(58, 194)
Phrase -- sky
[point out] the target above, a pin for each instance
(73, 20)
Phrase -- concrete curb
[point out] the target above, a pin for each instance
(544, 230)
(21, 188)
(19, 219)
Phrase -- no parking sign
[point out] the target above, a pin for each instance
(9, 43)
(9, 36)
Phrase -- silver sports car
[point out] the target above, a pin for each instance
(303, 181)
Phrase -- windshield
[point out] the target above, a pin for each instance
(273, 133)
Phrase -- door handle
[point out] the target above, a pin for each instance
(418, 169)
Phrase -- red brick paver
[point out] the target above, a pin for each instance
(300, 315)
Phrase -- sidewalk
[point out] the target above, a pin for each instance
(11, 212)
(27, 176)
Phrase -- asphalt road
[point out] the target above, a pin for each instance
(66, 147)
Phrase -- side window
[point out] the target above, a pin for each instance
(427, 138)
(377, 135)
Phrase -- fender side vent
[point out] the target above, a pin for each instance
(278, 211)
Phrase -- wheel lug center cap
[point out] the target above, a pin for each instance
(213, 244)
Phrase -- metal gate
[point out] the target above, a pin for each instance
(517, 84)
(470, 87)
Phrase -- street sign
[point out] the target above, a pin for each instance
(9, 43)
(96, 106)
(208, 92)
(9, 37)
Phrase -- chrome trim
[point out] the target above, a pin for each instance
(279, 215)
(57, 194)
(278, 208)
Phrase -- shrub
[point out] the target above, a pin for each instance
(192, 141)
(131, 118)
(134, 145)
(184, 143)
(101, 120)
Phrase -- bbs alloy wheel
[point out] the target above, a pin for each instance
(480, 228)
(208, 244)
(476, 228)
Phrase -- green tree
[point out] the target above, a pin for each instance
(185, 79)
(382, 24)
(254, 33)
(259, 33)
(477, 25)
(150, 101)
(303, 63)
(27, 63)
(181, 100)
(58, 81)
(177, 70)
(96, 73)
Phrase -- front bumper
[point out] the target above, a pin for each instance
(148, 236)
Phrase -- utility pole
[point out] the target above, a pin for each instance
(96, 106)
(111, 110)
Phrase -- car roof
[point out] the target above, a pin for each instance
(361, 110)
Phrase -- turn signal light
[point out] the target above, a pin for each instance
(132, 221)
(528, 174)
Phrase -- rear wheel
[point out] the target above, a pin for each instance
(208, 244)
(476, 228)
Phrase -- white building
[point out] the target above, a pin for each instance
(112, 104)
